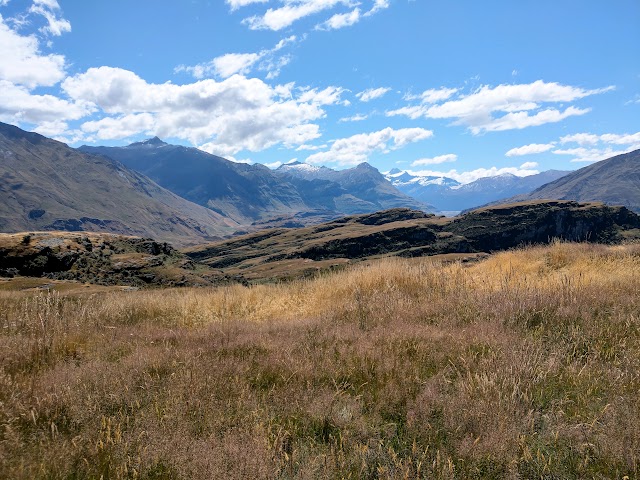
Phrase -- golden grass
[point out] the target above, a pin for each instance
(524, 365)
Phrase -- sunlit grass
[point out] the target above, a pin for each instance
(524, 365)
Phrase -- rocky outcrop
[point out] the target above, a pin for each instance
(102, 259)
(501, 227)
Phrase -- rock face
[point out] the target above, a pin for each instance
(500, 227)
(403, 232)
(45, 185)
(101, 259)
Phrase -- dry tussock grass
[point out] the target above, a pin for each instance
(525, 365)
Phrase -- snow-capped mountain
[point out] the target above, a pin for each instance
(449, 195)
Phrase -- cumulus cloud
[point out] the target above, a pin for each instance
(230, 64)
(530, 149)
(18, 104)
(473, 175)
(372, 94)
(22, 63)
(357, 148)
(110, 128)
(450, 157)
(505, 107)
(223, 117)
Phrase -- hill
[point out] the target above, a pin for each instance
(45, 185)
(448, 195)
(282, 253)
(254, 193)
(615, 181)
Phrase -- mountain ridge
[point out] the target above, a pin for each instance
(46, 185)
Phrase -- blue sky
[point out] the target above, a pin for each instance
(456, 87)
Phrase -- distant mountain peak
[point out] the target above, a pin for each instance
(150, 142)
(366, 166)
(394, 171)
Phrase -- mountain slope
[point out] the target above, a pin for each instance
(446, 194)
(615, 181)
(254, 193)
(45, 185)
(362, 189)
(242, 192)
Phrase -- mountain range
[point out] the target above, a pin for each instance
(615, 181)
(254, 193)
(45, 185)
(186, 196)
(449, 195)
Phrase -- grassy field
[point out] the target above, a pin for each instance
(523, 365)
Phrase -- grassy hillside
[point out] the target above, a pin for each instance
(524, 365)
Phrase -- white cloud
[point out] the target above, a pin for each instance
(377, 6)
(372, 94)
(473, 175)
(110, 128)
(22, 63)
(230, 64)
(341, 20)
(529, 165)
(273, 165)
(310, 147)
(293, 10)
(581, 139)
(48, 9)
(235, 4)
(450, 157)
(530, 149)
(327, 96)
(520, 104)
(520, 120)
(355, 118)
(357, 148)
(593, 148)
(18, 104)
(224, 117)
(433, 95)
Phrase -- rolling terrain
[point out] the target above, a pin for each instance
(45, 185)
(286, 253)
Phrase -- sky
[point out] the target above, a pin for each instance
(460, 88)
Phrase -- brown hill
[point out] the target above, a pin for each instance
(45, 185)
(281, 253)
(615, 181)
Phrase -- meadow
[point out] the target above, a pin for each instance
(523, 365)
